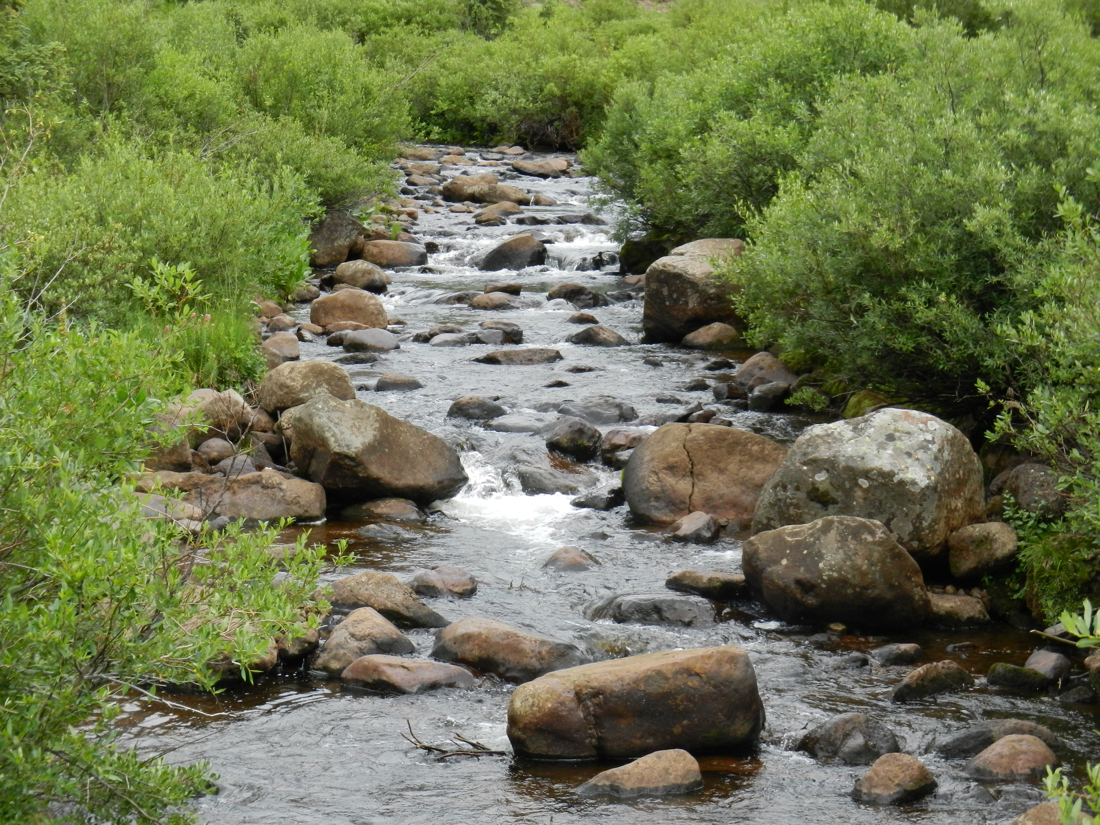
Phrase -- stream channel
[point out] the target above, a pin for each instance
(297, 748)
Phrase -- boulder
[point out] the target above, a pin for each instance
(837, 569)
(894, 779)
(444, 580)
(710, 249)
(457, 189)
(573, 437)
(957, 611)
(977, 738)
(931, 680)
(683, 294)
(281, 323)
(1046, 813)
(682, 468)
(549, 168)
(913, 472)
(1014, 677)
(475, 408)
(582, 318)
(363, 632)
(392, 674)
(1012, 758)
(1053, 665)
(683, 611)
(497, 211)
(494, 647)
(494, 301)
(333, 238)
(702, 700)
(695, 528)
(216, 414)
(897, 654)
(362, 275)
(602, 500)
(979, 549)
(721, 587)
(597, 335)
(265, 496)
(388, 596)
(217, 449)
(356, 305)
(570, 560)
(295, 383)
(1034, 488)
(713, 336)
(600, 409)
(514, 253)
(763, 369)
(662, 773)
(520, 357)
(392, 382)
(851, 738)
(543, 481)
(370, 340)
(393, 254)
(578, 295)
(358, 451)
(513, 333)
(385, 509)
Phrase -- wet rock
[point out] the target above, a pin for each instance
(515, 253)
(363, 632)
(388, 596)
(683, 294)
(1081, 695)
(392, 382)
(713, 336)
(977, 738)
(394, 254)
(392, 674)
(294, 383)
(616, 442)
(1011, 758)
(1047, 813)
(914, 472)
(520, 357)
(549, 168)
(578, 295)
(573, 437)
(370, 340)
(513, 333)
(332, 239)
(894, 779)
(852, 738)
(898, 654)
(293, 652)
(494, 647)
(602, 500)
(702, 700)
(385, 509)
(767, 396)
(570, 560)
(497, 212)
(597, 336)
(695, 528)
(837, 569)
(599, 409)
(582, 318)
(445, 580)
(483, 188)
(362, 275)
(475, 408)
(518, 423)
(541, 481)
(1014, 677)
(955, 611)
(1092, 665)
(722, 587)
(507, 289)
(357, 358)
(356, 305)
(980, 549)
(494, 301)
(358, 451)
(1034, 488)
(450, 339)
(662, 773)
(682, 468)
(931, 680)
(683, 611)
(1054, 666)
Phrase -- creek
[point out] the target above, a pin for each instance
(297, 748)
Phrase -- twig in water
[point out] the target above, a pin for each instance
(443, 753)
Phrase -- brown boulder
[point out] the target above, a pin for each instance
(333, 238)
(495, 647)
(720, 587)
(267, 495)
(956, 611)
(713, 336)
(493, 301)
(683, 294)
(711, 249)
(1011, 758)
(662, 773)
(515, 253)
(356, 305)
(702, 700)
(931, 680)
(388, 596)
(280, 348)
(363, 631)
(682, 468)
(458, 188)
(392, 674)
(549, 168)
(894, 779)
(362, 275)
(979, 549)
(597, 335)
(295, 382)
(763, 368)
(520, 357)
(445, 580)
(392, 254)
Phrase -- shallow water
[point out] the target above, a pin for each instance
(298, 750)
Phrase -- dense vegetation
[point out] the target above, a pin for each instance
(917, 184)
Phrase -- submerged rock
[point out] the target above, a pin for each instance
(662, 773)
(851, 738)
(659, 610)
(570, 560)
(702, 700)
(392, 674)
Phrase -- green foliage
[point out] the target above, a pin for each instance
(488, 18)
(98, 601)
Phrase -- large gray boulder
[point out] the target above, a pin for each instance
(295, 382)
(703, 700)
(682, 468)
(916, 474)
(682, 294)
(495, 647)
(837, 569)
(357, 451)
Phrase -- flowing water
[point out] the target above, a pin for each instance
(296, 749)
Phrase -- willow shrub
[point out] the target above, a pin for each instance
(99, 602)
